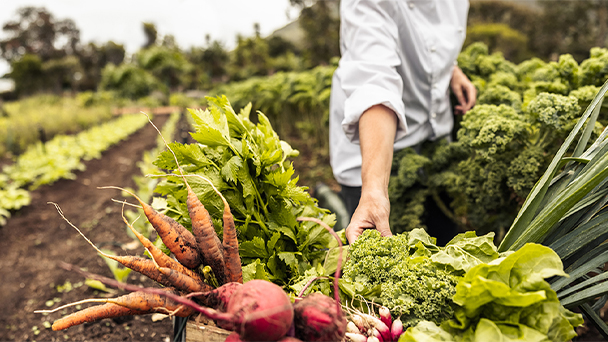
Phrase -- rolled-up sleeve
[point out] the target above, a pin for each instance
(367, 69)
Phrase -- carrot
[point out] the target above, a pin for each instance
(140, 301)
(160, 257)
(230, 243)
(92, 314)
(134, 303)
(257, 310)
(184, 282)
(138, 264)
(208, 242)
(176, 237)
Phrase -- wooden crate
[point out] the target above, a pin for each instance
(196, 332)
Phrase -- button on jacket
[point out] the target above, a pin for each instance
(400, 54)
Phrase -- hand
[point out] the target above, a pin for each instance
(371, 213)
(465, 91)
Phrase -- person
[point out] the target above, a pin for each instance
(391, 91)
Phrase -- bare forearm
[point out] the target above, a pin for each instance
(377, 128)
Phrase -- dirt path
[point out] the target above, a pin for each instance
(36, 239)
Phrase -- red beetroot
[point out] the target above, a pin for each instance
(234, 337)
(259, 311)
(316, 319)
(219, 298)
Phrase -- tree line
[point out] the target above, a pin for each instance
(46, 53)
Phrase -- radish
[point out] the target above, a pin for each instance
(385, 316)
(351, 327)
(316, 319)
(377, 324)
(396, 329)
(233, 337)
(354, 337)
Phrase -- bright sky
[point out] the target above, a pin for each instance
(188, 20)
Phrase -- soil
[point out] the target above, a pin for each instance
(36, 239)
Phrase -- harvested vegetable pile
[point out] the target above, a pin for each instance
(197, 262)
(464, 291)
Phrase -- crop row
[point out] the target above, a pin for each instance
(45, 163)
(42, 117)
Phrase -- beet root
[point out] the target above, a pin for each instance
(260, 311)
(316, 319)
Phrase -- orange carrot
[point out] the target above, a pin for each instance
(213, 252)
(134, 303)
(160, 257)
(184, 282)
(138, 264)
(92, 314)
(208, 242)
(230, 245)
(234, 271)
(176, 237)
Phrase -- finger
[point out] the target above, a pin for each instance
(352, 234)
(458, 110)
(472, 95)
(470, 98)
(459, 95)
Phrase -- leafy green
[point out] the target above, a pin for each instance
(417, 278)
(250, 165)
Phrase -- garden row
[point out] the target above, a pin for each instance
(46, 162)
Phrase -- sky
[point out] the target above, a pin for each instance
(188, 20)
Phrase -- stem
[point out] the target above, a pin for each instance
(446, 211)
(301, 293)
(339, 266)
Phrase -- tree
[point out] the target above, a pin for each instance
(27, 73)
(321, 25)
(94, 58)
(151, 34)
(37, 32)
(166, 64)
(250, 57)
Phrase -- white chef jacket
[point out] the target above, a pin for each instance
(400, 54)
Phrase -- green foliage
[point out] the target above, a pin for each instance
(249, 164)
(45, 163)
(412, 286)
(287, 98)
(417, 278)
(45, 116)
(506, 300)
(504, 143)
(130, 81)
(499, 37)
(26, 72)
(554, 111)
(168, 65)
